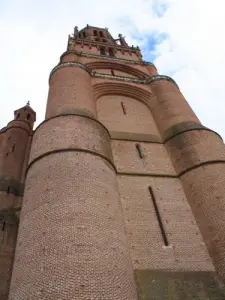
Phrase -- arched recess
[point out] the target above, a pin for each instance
(123, 109)
(121, 68)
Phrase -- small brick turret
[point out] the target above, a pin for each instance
(14, 151)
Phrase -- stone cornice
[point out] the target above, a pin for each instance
(106, 57)
(69, 64)
(149, 80)
(115, 77)
(159, 77)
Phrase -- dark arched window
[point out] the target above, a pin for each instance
(13, 147)
(28, 117)
(102, 51)
(84, 34)
(3, 226)
(111, 52)
(101, 33)
(95, 33)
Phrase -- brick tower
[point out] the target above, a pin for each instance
(124, 195)
(15, 141)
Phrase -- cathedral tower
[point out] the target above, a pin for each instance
(124, 190)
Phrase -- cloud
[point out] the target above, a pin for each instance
(183, 38)
(193, 54)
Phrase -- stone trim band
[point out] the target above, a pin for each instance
(73, 114)
(205, 163)
(70, 150)
(114, 77)
(185, 127)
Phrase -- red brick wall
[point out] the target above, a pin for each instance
(77, 241)
(186, 250)
(71, 202)
(155, 159)
(7, 245)
(137, 120)
(88, 218)
(74, 85)
(169, 106)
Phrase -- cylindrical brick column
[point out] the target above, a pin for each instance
(70, 91)
(169, 107)
(71, 241)
(198, 155)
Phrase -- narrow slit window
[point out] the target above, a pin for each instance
(3, 226)
(123, 108)
(13, 147)
(165, 240)
(28, 117)
(139, 151)
(8, 189)
(84, 34)
(112, 72)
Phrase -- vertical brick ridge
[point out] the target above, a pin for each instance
(191, 152)
(70, 91)
(169, 106)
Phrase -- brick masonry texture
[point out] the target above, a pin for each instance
(11, 163)
(71, 132)
(155, 159)
(169, 106)
(70, 91)
(206, 193)
(195, 147)
(77, 248)
(7, 200)
(146, 243)
(90, 228)
(7, 247)
(13, 153)
(137, 117)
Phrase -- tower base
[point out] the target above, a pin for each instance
(163, 285)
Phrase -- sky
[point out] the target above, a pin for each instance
(185, 39)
